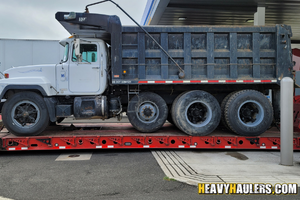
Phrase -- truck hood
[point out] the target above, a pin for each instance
(45, 71)
(38, 75)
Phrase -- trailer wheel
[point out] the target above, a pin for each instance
(248, 113)
(196, 113)
(223, 104)
(147, 112)
(25, 113)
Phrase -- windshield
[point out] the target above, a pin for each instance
(65, 58)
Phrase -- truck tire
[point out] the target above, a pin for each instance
(196, 113)
(223, 104)
(25, 114)
(173, 107)
(248, 113)
(147, 112)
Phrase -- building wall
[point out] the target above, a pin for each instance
(14, 52)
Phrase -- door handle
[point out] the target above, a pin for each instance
(95, 68)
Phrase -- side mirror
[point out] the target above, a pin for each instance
(77, 47)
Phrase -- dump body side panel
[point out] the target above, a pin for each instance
(214, 54)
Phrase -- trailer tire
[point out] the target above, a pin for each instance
(147, 112)
(196, 113)
(248, 113)
(25, 114)
(223, 104)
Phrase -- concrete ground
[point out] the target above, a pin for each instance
(223, 166)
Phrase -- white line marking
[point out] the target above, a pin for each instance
(169, 81)
(181, 146)
(110, 146)
(98, 147)
(146, 146)
(262, 147)
(274, 147)
(11, 149)
(62, 147)
(227, 147)
(24, 148)
(192, 146)
(4, 198)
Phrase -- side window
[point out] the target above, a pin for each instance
(88, 53)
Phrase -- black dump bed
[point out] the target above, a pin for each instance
(216, 54)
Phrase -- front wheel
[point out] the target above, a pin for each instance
(147, 112)
(25, 114)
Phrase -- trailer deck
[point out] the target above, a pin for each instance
(124, 136)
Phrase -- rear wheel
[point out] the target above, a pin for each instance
(173, 107)
(223, 104)
(248, 113)
(147, 112)
(25, 113)
(196, 113)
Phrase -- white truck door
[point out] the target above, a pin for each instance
(84, 74)
(62, 72)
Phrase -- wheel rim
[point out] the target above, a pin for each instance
(198, 113)
(250, 113)
(148, 112)
(25, 114)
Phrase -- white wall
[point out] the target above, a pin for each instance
(29, 52)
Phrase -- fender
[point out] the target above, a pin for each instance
(23, 87)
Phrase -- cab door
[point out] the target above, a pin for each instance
(84, 72)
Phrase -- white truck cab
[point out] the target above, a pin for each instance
(37, 95)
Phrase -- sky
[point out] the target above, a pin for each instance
(35, 19)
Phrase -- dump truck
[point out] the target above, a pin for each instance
(196, 77)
